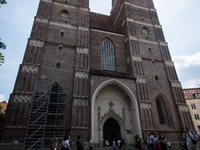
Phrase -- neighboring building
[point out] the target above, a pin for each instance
(192, 97)
(98, 76)
(4, 104)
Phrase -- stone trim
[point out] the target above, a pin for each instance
(62, 25)
(36, 43)
(70, 6)
(176, 84)
(147, 41)
(137, 58)
(145, 106)
(118, 14)
(83, 28)
(143, 23)
(81, 75)
(169, 63)
(84, 9)
(47, 1)
(141, 40)
(140, 7)
(81, 102)
(22, 98)
(82, 50)
(183, 108)
(163, 44)
(107, 32)
(65, 5)
(141, 80)
(41, 20)
(30, 69)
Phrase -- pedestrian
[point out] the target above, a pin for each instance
(152, 141)
(51, 144)
(79, 143)
(169, 145)
(123, 144)
(65, 143)
(163, 142)
(143, 144)
(114, 144)
(119, 144)
(70, 142)
(157, 143)
(138, 142)
(190, 138)
(55, 144)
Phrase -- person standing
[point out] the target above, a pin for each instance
(65, 143)
(138, 142)
(190, 138)
(55, 144)
(157, 143)
(79, 143)
(119, 144)
(114, 144)
(163, 142)
(152, 141)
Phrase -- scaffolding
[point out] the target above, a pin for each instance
(47, 115)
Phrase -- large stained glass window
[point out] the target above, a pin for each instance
(107, 55)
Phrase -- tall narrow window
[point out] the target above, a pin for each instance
(196, 116)
(107, 55)
(145, 31)
(193, 106)
(160, 112)
(57, 66)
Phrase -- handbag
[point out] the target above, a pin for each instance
(193, 141)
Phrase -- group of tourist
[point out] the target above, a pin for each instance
(67, 143)
(153, 142)
(120, 144)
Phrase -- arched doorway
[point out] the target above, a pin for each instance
(111, 130)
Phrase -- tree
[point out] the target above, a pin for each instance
(2, 114)
(2, 46)
(3, 2)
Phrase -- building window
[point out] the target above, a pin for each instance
(107, 55)
(196, 116)
(57, 66)
(145, 31)
(193, 106)
(64, 13)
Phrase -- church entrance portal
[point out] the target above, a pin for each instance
(111, 130)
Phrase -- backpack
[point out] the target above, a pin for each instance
(80, 144)
(70, 143)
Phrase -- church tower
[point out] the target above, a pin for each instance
(98, 76)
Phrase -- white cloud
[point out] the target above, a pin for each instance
(2, 97)
(183, 61)
(191, 83)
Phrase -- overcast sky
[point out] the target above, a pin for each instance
(179, 19)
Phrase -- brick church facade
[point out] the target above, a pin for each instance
(98, 76)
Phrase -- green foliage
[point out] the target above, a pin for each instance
(2, 46)
(3, 2)
(2, 114)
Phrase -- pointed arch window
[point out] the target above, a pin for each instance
(107, 55)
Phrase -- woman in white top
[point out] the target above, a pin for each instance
(65, 143)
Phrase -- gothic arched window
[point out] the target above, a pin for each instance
(107, 55)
